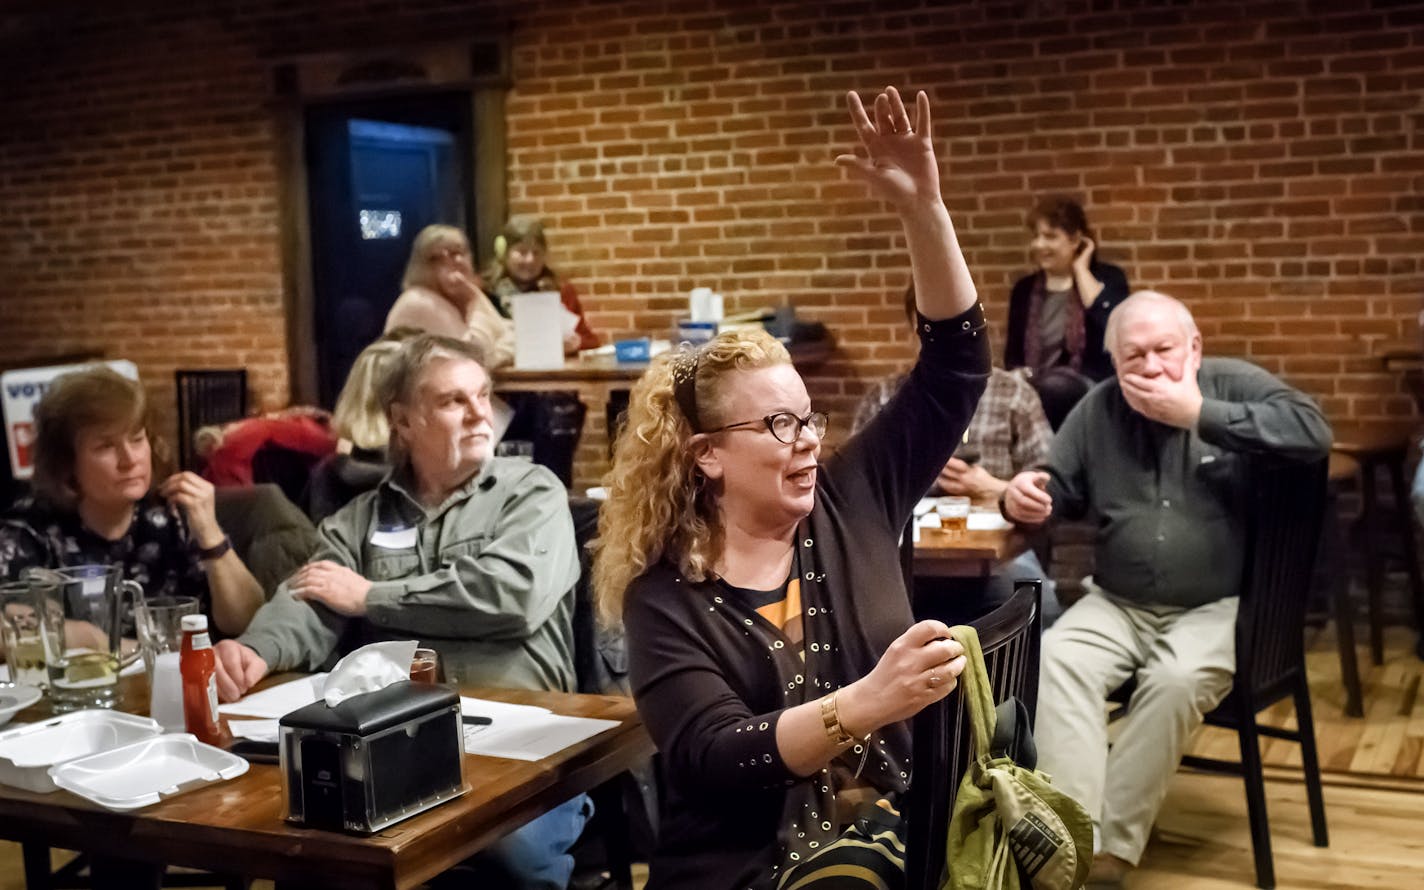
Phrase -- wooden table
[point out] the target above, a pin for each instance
(972, 554)
(237, 826)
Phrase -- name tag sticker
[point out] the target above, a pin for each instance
(394, 538)
(1208, 458)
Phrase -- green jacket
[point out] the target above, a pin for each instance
(486, 579)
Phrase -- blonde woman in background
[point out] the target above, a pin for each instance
(360, 422)
(442, 296)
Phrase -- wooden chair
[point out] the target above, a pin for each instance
(941, 743)
(206, 397)
(1283, 533)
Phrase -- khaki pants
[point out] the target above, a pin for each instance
(1184, 660)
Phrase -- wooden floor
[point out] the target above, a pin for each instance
(1387, 742)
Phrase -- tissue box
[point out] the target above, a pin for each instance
(639, 350)
(373, 760)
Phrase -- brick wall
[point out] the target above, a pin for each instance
(1261, 160)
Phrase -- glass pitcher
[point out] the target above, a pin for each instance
(84, 611)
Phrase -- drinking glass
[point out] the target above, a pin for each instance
(953, 515)
(21, 632)
(82, 610)
(425, 666)
(159, 621)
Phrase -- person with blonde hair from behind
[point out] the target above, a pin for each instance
(359, 421)
(772, 649)
(441, 295)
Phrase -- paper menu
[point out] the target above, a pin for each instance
(538, 330)
(279, 700)
(524, 732)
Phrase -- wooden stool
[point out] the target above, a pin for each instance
(1375, 446)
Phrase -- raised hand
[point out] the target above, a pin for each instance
(900, 165)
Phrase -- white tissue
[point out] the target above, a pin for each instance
(369, 668)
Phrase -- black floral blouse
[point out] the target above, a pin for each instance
(156, 551)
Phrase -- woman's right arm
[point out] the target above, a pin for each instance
(711, 738)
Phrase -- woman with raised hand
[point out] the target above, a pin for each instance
(773, 654)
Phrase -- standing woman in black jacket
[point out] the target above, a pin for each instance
(1058, 314)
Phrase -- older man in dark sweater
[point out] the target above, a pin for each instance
(1160, 454)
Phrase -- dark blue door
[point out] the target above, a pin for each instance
(378, 171)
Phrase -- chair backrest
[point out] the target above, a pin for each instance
(207, 397)
(1285, 516)
(941, 746)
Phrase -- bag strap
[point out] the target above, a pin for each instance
(974, 686)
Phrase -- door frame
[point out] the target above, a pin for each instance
(480, 68)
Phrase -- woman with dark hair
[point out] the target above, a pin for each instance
(772, 650)
(520, 266)
(95, 503)
(1058, 314)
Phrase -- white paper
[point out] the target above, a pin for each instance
(373, 666)
(501, 416)
(256, 730)
(570, 320)
(538, 326)
(278, 700)
(524, 732)
(533, 738)
(987, 522)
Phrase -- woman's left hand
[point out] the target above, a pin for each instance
(901, 166)
(193, 495)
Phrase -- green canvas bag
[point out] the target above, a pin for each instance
(1007, 816)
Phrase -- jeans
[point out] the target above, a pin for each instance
(1001, 586)
(535, 857)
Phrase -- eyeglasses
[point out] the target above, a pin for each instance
(448, 253)
(785, 426)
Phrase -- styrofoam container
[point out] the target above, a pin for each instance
(144, 772)
(27, 752)
(15, 697)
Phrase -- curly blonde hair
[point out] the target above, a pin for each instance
(659, 504)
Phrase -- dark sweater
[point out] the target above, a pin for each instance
(1096, 364)
(1171, 503)
(711, 677)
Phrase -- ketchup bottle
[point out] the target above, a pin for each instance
(198, 665)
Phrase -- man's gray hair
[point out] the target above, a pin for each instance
(397, 386)
(1141, 300)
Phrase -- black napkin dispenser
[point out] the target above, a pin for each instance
(373, 760)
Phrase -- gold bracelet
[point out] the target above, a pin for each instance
(831, 719)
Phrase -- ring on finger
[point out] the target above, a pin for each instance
(934, 680)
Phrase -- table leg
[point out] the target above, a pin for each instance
(124, 874)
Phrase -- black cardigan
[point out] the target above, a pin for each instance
(711, 677)
(1096, 364)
